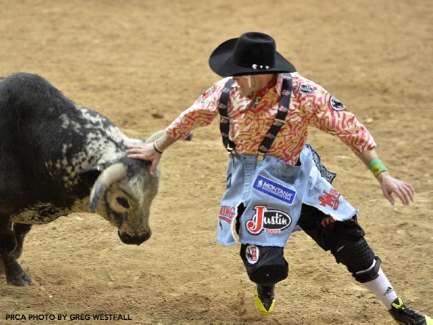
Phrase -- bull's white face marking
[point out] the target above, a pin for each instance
(127, 203)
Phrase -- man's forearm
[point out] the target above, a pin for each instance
(164, 141)
(367, 156)
(371, 159)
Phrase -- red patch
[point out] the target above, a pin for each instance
(332, 199)
(226, 214)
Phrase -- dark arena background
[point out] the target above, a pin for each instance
(141, 63)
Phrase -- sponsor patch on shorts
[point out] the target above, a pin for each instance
(271, 220)
(271, 188)
(252, 254)
(226, 213)
(331, 198)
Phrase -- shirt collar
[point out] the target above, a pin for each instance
(277, 85)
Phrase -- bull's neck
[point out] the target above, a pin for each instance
(96, 143)
(106, 142)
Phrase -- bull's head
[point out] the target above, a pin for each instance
(123, 194)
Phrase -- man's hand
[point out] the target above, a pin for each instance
(391, 186)
(145, 152)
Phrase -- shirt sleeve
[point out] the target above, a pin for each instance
(200, 113)
(330, 115)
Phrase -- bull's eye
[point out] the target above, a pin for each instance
(123, 202)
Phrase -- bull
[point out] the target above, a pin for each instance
(57, 157)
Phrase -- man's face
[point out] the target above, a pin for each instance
(251, 83)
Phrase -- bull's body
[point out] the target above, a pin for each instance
(51, 153)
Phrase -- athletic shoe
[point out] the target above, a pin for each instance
(265, 300)
(407, 316)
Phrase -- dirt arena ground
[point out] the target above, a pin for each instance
(141, 63)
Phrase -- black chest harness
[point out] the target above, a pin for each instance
(280, 117)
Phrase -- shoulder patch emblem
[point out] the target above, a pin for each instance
(335, 104)
(306, 88)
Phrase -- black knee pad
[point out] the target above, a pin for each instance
(264, 264)
(359, 259)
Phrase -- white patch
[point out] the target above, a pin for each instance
(252, 254)
(102, 144)
(77, 127)
(65, 121)
(104, 148)
(99, 121)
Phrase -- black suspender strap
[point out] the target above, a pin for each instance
(224, 116)
(280, 118)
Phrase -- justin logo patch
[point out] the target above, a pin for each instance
(271, 188)
(271, 220)
(335, 104)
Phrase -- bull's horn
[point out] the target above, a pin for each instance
(109, 176)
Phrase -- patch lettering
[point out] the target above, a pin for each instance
(335, 104)
(226, 214)
(252, 254)
(271, 188)
(271, 220)
(331, 198)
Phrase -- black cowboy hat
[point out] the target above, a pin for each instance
(251, 53)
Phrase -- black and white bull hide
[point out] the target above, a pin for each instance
(57, 157)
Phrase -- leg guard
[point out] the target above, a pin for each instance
(359, 259)
(345, 240)
(264, 264)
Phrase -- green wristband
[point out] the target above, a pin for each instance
(377, 166)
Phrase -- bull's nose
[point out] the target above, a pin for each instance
(134, 240)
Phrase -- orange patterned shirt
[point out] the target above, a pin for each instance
(310, 104)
